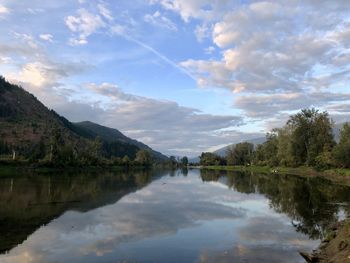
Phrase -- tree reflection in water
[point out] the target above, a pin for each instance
(313, 204)
(30, 201)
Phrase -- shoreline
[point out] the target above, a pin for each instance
(335, 175)
(334, 248)
(10, 169)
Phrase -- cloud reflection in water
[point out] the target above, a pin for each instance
(173, 219)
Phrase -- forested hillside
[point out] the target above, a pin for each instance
(30, 131)
(90, 130)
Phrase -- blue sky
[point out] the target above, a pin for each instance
(183, 76)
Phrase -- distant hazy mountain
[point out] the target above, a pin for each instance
(222, 151)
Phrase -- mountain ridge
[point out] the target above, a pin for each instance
(26, 125)
(110, 135)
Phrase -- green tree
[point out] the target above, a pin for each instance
(259, 155)
(271, 148)
(311, 132)
(66, 156)
(61, 153)
(342, 150)
(208, 158)
(325, 160)
(97, 148)
(4, 148)
(173, 161)
(126, 160)
(184, 161)
(230, 156)
(240, 154)
(266, 153)
(55, 143)
(284, 147)
(144, 158)
(39, 151)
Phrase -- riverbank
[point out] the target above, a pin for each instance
(334, 248)
(6, 170)
(336, 175)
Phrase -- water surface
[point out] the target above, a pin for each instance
(162, 216)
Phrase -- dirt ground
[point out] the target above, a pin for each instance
(335, 248)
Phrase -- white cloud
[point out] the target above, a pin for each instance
(202, 32)
(27, 39)
(6, 60)
(33, 73)
(44, 74)
(105, 12)
(118, 29)
(35, 11)
(263, 106)
(165, 125)
(160, 20)
(46, 37)
(276, 47)
(275, 57)
(34, 68)
(199, 9)
(209, 50)
(83, 25)
(4, 10)
(77, 42)
(162, 124)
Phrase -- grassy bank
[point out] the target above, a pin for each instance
(256, 169)
(337, 175)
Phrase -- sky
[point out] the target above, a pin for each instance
(183, 76)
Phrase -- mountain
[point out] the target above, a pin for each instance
(25, 121)
(29, 127)
(222, 151)
(88, 129)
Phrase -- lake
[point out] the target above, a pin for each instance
(164, 216)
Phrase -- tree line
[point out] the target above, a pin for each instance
(306, 139)
(55, 151)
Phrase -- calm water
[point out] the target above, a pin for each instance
(181, 216)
